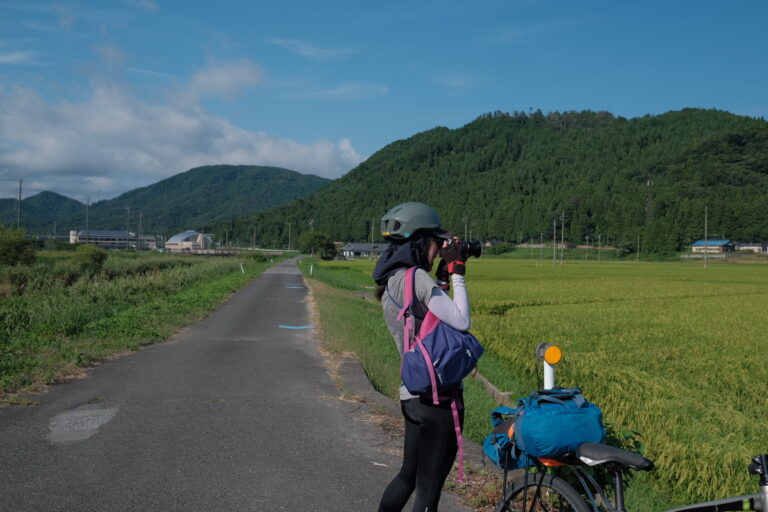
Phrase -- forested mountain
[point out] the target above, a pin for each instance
(510, 175)
(189, 200)
(41, 210)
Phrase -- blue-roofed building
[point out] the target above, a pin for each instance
(713, 246)
(113, 239)
(188, 241)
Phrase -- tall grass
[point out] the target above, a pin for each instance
(54, 318)
(671, 350)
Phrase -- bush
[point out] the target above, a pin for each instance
(502, 248)
(90, 259)
(14, 248)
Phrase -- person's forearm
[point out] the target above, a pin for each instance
(453, 312)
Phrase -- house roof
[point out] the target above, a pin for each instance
(354, 246)
(186, 236)
(711, 243)
(98, 232)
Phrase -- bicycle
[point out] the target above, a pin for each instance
(547, 488)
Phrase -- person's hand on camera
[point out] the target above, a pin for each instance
(455, 256)
(442, 276)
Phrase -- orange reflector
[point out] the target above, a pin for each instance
(553, 355)
(551, 462)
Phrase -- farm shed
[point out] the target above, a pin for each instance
(713, 246)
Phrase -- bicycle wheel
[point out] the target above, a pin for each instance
(539, 492)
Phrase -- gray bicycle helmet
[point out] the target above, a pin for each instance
(402, 221)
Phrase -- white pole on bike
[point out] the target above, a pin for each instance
(550, 355)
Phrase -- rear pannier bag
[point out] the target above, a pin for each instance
(552, 423)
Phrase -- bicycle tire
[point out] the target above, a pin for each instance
(540, 492)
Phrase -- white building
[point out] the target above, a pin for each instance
(113, 239)
(358, 250)
(188, 241)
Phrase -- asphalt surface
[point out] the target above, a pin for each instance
(237, 412)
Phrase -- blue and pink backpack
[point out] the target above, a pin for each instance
(436, 359)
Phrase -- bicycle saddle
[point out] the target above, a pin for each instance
(593, 454)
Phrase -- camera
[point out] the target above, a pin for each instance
(472, 248)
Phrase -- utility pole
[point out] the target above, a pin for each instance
(649, 207)
(586, 252)
(598, 248)
(562, 237)
(706, 239)
(371, 256)
(541, 246)
(289, 236)
(138, 240)
(554, 242)
(87, 208)
(128, 219)
(465, 227)
(18, 210)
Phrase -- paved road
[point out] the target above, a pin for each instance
(235, 413)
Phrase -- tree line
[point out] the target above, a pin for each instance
(511, 176)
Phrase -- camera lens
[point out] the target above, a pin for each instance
(473, 248)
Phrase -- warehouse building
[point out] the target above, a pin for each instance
(713, 246)
(113, 239)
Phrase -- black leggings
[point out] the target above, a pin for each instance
(428, 455)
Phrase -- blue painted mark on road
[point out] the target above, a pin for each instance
(296, 286)
(295, 326)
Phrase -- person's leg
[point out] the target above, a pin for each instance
(437, 451)
(400, 488)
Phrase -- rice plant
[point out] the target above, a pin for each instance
(669, 350)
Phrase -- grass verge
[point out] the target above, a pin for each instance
(48, 349)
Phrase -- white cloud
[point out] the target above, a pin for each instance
(145, 4)
(16, 57)
(113, 141)
(349, 91)
(307, 49)
(111, 55)
(511, 35)
(460, 80)
(227, 79)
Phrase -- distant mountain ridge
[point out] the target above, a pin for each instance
(510, 176)
(189, 200)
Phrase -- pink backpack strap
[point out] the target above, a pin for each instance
(408, 331)
(459, 439)
(428, 325)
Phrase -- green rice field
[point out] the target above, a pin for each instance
(671, 351)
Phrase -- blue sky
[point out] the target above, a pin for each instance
(100, 97)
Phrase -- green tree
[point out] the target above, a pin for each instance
(315, 242)
(15, 248)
